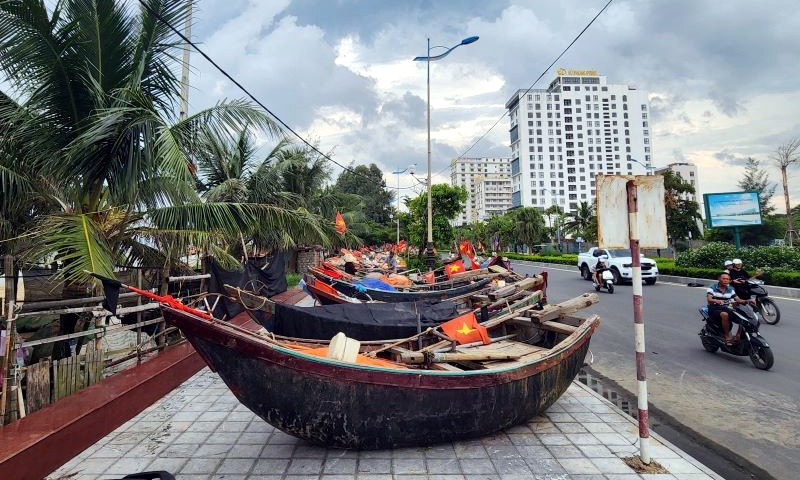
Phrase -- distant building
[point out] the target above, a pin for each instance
(470, 173)
(564, 135)
(492, 196)
(688, 172)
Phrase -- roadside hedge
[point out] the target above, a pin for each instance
(714, 254)
(565, 259)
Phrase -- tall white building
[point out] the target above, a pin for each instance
(564, 135)
(688, 172)
(492, 196)
(470, 173)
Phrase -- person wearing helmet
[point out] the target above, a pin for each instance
(602, 264)
(739, 277)
(728, 266)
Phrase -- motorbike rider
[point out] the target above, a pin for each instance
(739, 277)
(602, 264)
(728, 266)
(718, 295)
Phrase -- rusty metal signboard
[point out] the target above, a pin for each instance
(612, 211)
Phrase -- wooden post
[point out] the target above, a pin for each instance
(11, 295)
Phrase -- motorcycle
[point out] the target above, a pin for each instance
(608, 281)
(750, 342)
(765, 307)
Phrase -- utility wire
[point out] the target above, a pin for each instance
(254, 99)
(563, 52)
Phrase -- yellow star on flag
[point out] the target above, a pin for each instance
(465, 330)
(453, 268)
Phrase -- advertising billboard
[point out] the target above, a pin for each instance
(732, 209)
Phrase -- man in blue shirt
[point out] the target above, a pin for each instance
(718, 296)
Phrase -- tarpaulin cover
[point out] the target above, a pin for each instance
(266, 282)
(362, 321)
(376, 284)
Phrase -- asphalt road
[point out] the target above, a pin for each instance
(724, 398)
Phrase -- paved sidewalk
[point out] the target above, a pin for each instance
(200, 431)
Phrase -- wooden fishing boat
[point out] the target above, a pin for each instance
(361, 292)
(325, 294)
(420, 401)
(379, 320)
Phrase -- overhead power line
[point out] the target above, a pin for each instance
(253, 98)
(544, 72)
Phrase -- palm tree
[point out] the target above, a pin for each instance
(95, 166)
(528, 225)
(582, 222)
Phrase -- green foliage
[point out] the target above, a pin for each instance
(682, 212)
(714, 254)
(446, 203)
(528, 225)
(292, 279)
(583, 222)
(564, 259)
(772, 227)
(757, 179)
(368, 183)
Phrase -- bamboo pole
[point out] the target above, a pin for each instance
(6, 354)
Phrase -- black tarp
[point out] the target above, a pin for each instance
(362, 321)
(266, 282)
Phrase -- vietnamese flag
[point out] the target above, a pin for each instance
(466, 329)
(456, 267)
(468, 255)
(341, 227)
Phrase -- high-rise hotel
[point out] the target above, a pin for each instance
(488, 183)
(564, 135)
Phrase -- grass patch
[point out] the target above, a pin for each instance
(293, 279)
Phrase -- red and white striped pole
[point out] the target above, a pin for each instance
(638, 322)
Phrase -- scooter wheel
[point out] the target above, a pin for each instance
(769, 311)
(761, 357)
(611, 288)
(597, 288)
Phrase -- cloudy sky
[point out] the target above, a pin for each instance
(722, 76)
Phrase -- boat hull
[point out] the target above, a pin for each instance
(334, 404)
(399, 296)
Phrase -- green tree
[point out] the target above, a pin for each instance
(582, 222)
(682, 211)
(528, 225)
(446, 202)
(368, 183)
(502, 228)
(757, 179)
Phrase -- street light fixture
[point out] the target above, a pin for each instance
(398, 173)
(431, 260)
(648, 169)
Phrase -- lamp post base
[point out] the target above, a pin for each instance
(430, 256)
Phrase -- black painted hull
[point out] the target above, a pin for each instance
(388, 296)
(334, 404)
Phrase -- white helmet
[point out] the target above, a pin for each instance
(737, 261)
(728, 263)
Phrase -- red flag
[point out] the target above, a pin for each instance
(468, 255)
(429, 277)
(401, 245)
(466, 329)
(341, 227)
(456, 267)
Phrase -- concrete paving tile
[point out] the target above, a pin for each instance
(264, 477)
(253, 438)
(502, 451)
(168, 464)
(112, 450)
(415, 476)
(342, 453)
(129, 438)
(578, 466)
(408, 466)
(470, 451)
(512, 466)
(176, 426)
(623, 476)
(560, 417)
(554, 439)
(586, 417)
(496, 439)
(409, 453)
(479, 477)
(270, 466)
(565, 451)
(277, 451)
(181, 450)
(142, 426)
(477, 466)
(232, 427)
(259, 426)
(374, 465)
(612, 418)
(678, 465)
(95, 465)
(518, 429)
(443, 466)
(148, 449)
(583, 439)
(693, 476)
(281, 438)
(228, 476)
(534, 451)
(309, 451)
(340, 466)
(375, 476)
(305, 466)
(544, 428)
(612, 439)
(525, 439)
(571, 427)
(448, 476)
(240, 416)
(441, 451)
(227, 438)
(587, 477)
(335, 476)
(383, 454)
(612, 465)
(623, 450)
(212, 416)
(596, 451)
(202, 426)
(655, 476)
(210, 450)
(187, 415)
(236, 465)
(660, 451)
(200, 465)
(544, 465)
(245, 451)
(192, 437)
(553, 476)
(598, 427)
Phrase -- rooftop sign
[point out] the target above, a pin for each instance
(577, 73)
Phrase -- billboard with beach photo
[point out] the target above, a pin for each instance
(732, 209)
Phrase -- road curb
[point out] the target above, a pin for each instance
(773, 290)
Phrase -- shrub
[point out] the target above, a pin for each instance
(564, 259)
(713, 255)
(768, 257)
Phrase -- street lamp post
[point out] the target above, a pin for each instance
(648, 169)
(398, 173)
(431, 260)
